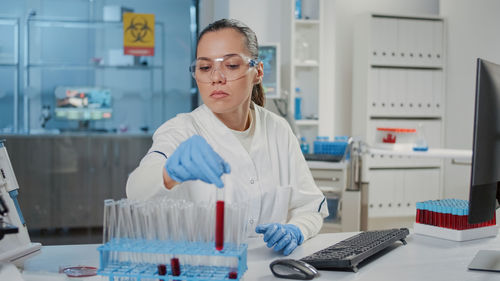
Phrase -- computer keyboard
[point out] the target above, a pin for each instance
(348, 253)
(324, 157)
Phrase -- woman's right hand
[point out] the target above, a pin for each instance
(195, 159)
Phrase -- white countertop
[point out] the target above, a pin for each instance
(327, 165)
(423, 258)
(457, 154)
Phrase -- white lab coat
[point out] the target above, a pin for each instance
(272, 178)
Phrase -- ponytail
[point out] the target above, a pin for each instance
(258, 96)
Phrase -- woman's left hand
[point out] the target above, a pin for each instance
(284, 237)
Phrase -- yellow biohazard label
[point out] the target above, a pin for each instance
(139, 34)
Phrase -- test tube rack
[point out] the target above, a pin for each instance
(447, 219)
(116, 268)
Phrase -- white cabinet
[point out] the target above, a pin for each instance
(398, 83)
(343, 204)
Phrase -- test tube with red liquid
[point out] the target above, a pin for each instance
(219, 220)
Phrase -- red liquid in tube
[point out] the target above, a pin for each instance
(176, 267)
(219, 226)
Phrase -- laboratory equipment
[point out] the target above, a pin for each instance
(420, 142)
(219, 219)
(45, 115)
(303, 50)
(16, 246)
(322, 145)
(350, 252)
(485, 171)
(82, 103)
(448, 219)
(293, 269)
(298, 104)
(304, 146)
(269, 55)
(395, 138)
(163, 238)
(298, 9)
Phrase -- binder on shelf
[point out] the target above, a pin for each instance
(437, 92)
(425, 30)
(384, 89)
(384, 40)
(438, 43)
(374, 91)
(400, 88)
(426, 88)
(403, 41)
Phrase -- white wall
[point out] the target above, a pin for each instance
(262, 16)
(472, 32)
(345, 12)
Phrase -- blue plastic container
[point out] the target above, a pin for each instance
(304, 146)
(298, 9)
(337, 147)
(113, 267)
(298, 108)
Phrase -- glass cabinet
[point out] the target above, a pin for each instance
(61, 54)
(9, 74)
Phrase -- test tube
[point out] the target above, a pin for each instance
(109, 222)
(219, 220)
(176, 267)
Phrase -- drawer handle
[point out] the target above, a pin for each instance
(335, 179)
(464, 163)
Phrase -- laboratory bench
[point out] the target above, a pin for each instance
(423, 258)
(65, 178)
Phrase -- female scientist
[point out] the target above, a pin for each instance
(232, 134)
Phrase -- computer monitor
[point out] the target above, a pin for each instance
(82, 103)
(485, 172)
(269, 55)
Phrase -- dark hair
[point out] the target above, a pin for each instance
(251, 44)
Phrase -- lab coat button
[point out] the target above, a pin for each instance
(251, 221)
(252, 181)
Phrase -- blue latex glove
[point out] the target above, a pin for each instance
(195, 159)
(284, 237)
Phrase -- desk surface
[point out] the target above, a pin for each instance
(423, 258)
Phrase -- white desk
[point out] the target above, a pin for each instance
(422, 259)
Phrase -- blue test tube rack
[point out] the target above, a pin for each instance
(139, 271)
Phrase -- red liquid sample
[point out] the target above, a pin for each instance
(162, 269)
(233, 275)
(176, 267)
(219, 226)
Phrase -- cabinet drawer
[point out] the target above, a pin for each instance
(331, 178)
(394, 192)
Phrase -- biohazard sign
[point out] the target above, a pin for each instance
(139, 34)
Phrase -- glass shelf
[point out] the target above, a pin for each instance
(307, 122)
(307, 22)
(84, 67)
(79, 24)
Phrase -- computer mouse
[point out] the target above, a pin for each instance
(293, 269)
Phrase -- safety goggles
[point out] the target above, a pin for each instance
(231, 67)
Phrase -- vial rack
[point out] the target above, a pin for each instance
(140, 253)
